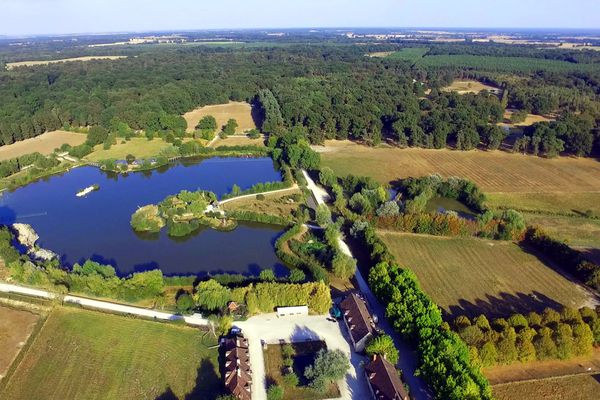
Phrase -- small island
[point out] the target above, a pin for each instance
(182, 214)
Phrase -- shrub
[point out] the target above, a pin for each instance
(329, 366)
(291, 379)
(185, 303)
(274, 392)
(384, 346)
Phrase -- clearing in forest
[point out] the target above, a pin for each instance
(524, 182)
(529, 120)
(240, 111)
(473, 276)
(239, 141)
(141, 148)
(468, 86)
(12, 65)
(15, 328)
(82, 354)
(44, 144)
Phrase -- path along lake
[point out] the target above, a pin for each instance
(97, 226)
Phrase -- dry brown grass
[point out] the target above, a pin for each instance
(15, 328)
(493, 171)
(582, 387)
(275, 204)
(472, 276)
(380, 54)
(241, 112)
(468, 86)
(529, 120)
(45, 144)
(10, 66)
(543, 369)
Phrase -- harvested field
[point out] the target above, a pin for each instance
(240, 111)
(582, 387)
(472, 276)
(139, 147)
(44, 143)
(15, 328)
(10, 66)
(510, 180)
(88, 355)
(239, 141)
(468, 86)
(543, 369)
(577, 231)
(529, 120)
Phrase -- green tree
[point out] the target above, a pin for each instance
(384, 346)
(230, 127)
(329, 366)
(274, 392)
(211, 295)
(343, 267)
(185, 303)
(488, 354)
(267, 275)
(323, 215)
(207, 123)
(297, 275)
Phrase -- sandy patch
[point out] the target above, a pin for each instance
(468, 86)
(10, 66)
(15, 328)
(240, 111)
(45, 144)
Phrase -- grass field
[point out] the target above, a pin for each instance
(87, 355)
(241, 112)
(409, 54)
(510, 180)
(529, 120)
(468, 86)
(473, 276)
(10, 66)
(276, 204)
(139, 147)
(577, 231)
(45, 144)
(239, 141)
(583, 387)
(15, 328)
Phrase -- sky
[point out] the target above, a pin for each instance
(21, 17)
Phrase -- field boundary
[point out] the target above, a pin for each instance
(24, 350)
(547, 378)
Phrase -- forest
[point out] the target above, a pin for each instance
(327, 91)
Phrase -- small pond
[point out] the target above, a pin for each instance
(97, 226)
(443, 204)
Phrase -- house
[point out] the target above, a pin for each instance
(384, 381)
(358, 320)
(237, 375)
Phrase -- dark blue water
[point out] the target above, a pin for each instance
(97, 226)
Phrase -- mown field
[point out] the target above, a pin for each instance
(472, 276)
(44, 144)
(583, 387)
(10, 66)
(239, 141)
(409, 54)
(15, 328)
(139, 147)
(87, 355)
(577, 231)
(240, 111)
(510, 180)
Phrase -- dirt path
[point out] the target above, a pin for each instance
(245, 196)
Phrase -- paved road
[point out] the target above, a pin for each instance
(293, 187)
(408, 357)
(271, 329)
(195, 320)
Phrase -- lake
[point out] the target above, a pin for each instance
(97, 226)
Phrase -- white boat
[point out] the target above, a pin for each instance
(87, 190)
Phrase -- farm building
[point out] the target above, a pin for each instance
(384, 381)
(237, 375)
(358, 320)
(288, 311)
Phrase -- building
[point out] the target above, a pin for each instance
(384, 381)
(237, 375)
(289, 311)
(358, 320)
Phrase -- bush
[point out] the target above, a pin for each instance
(329, 366)
(274, 392)
(185, 303)
(291, 379)
(384, 346)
